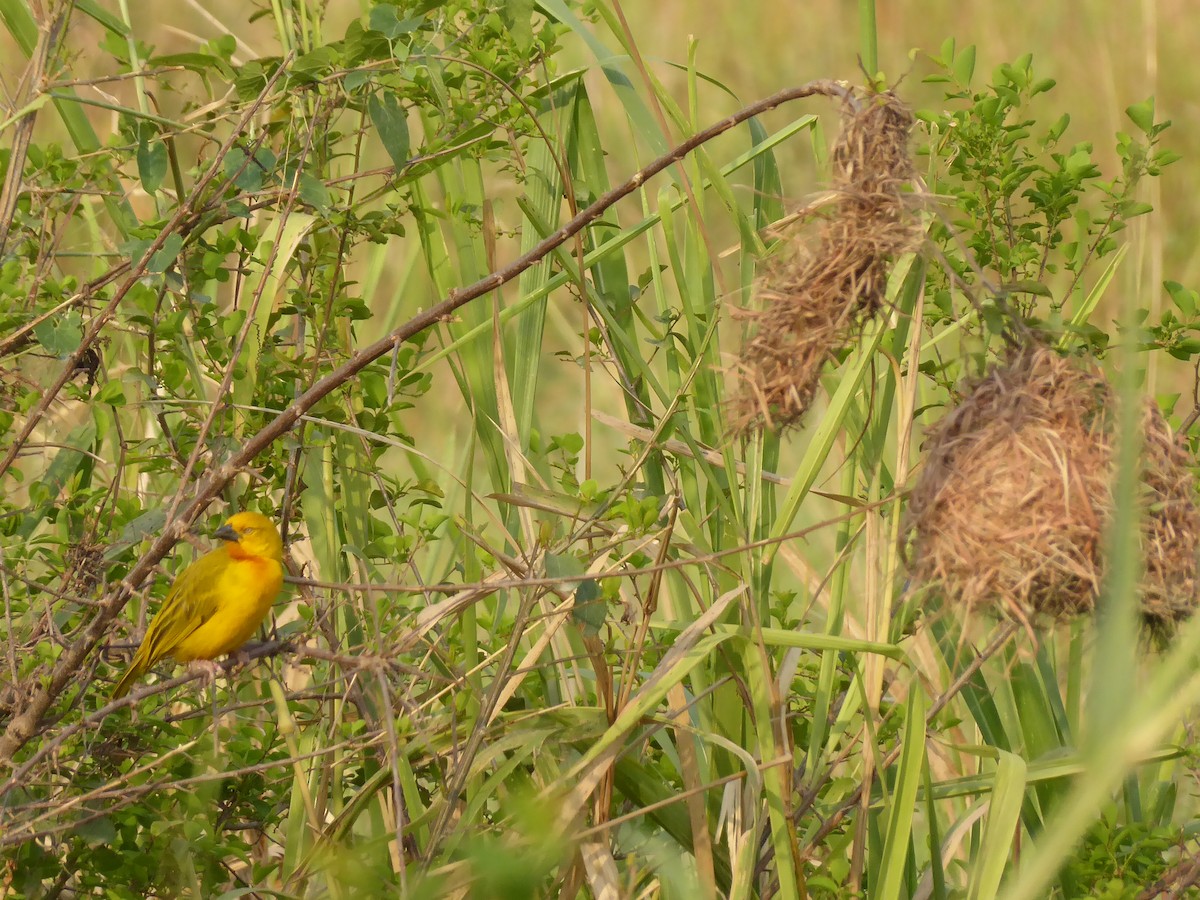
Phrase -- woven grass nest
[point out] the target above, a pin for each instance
(1009, 512)
(817, 297)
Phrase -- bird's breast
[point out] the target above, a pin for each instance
(246, 589)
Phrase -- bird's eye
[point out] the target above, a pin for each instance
(247, 530)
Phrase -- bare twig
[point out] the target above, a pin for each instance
(35, 76)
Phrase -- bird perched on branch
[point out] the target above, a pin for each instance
(217, 602)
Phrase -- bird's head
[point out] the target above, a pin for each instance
(254, 535)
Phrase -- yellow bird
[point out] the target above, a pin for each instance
(217, 602)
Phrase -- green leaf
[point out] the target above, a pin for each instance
(1131, 208)
(247, 174)
(315, 65)
(560, 565)
(60, 335)
(947, 52)
(116, 45)
(151, 163)
(964, 66)
(518, 15)
(113, 393)
(385, 19)
(391, 121)
(97, 832)
(102, 16)
(1184, 299)
(1185, 349)
(162, 260)
(589, 612)
(314, 193)
(356, 79)
(149, 522)
(72, 458)
(1142, 114)
(1079, 164)
(1166, 157)
(1058, 128)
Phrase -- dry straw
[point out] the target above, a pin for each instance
(1011, 507)
(817, 299)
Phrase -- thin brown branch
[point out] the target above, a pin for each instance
(35, 75)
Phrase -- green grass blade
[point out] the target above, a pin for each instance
(995, 851)
(898, 837)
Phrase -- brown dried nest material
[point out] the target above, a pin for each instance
(85, 567)
(1011, 507)
(815, 300)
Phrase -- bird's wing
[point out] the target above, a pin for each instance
(191, 601)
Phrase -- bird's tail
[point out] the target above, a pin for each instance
(132, 674)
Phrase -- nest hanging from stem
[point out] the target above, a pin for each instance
(1011, 508)
(816, 300)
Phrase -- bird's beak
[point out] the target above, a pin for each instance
(225, 533)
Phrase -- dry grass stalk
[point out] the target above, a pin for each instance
(815, 300)
(1011, 507)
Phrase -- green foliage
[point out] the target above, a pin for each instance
(1119, 860)
(1035, 214)
(552, 630)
